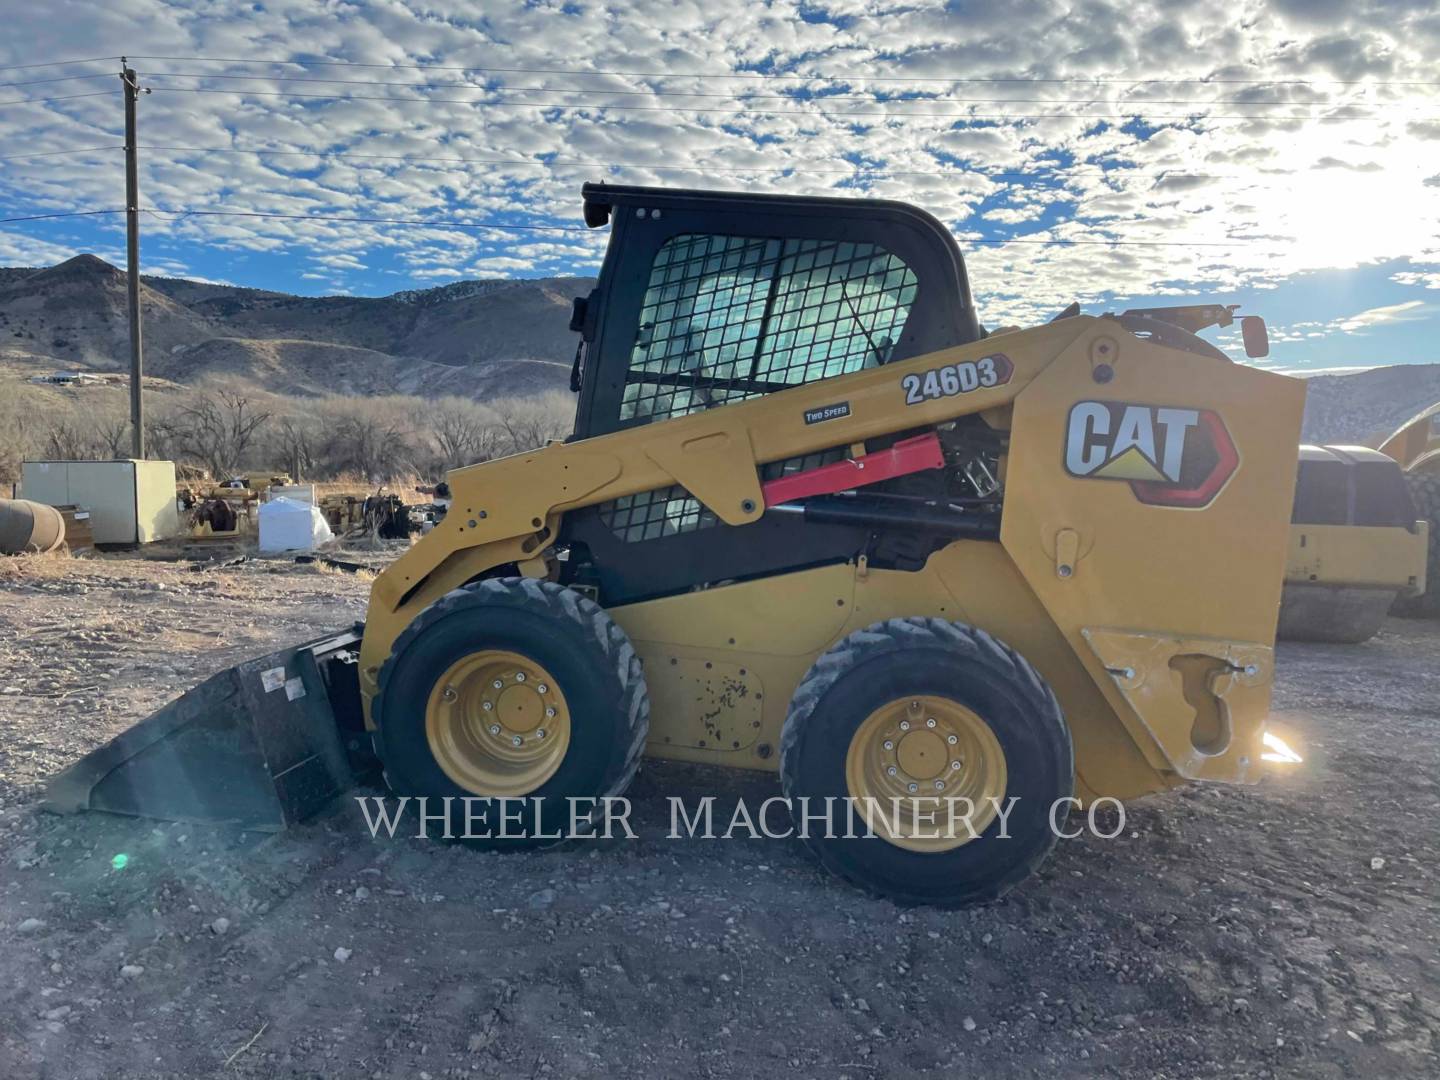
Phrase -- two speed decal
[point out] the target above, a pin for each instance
(958, 378)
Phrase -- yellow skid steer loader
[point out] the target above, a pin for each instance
(813, 519)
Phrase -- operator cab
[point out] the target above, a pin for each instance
(707, 298)
(710, 298)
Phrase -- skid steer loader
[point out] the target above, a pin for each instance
(813, 519)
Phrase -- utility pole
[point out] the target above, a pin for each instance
(132, 258)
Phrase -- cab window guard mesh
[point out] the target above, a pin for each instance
(669, 511)
(727, 318)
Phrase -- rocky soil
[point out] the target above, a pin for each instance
(1287, 930)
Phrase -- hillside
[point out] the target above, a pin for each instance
(1368, 405)
(470, 338)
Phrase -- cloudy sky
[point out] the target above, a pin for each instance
(1284, 156)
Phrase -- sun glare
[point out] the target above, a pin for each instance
(1278, 751)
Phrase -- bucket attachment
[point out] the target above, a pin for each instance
(262, 745)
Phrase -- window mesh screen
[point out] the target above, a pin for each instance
(727, 318)
(652, 514)
(671, 510)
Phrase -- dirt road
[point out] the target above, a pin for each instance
(1285, 930)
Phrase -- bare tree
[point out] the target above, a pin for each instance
(69, 439)
(532, 422)
(162, 436)
(21, 424)
(371, 445)
(296, 442)
(112, 437)
(464, 433)
(217, 428)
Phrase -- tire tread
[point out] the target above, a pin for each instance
(908, 633)
(557, 602)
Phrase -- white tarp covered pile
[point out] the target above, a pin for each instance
(287, 525)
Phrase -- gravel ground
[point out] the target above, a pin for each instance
(1283, 930)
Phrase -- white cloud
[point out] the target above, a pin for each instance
(1285, 196)
(1411, 277)
(1405, 312)
(1360, 324)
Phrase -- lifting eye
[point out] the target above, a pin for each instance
(1210, 733)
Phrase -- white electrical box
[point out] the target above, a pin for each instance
(130, 502)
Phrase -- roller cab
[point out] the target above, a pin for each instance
(1357, 545)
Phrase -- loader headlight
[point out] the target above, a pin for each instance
(1278, 751)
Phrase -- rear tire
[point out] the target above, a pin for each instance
(526, 624)
(928, 661)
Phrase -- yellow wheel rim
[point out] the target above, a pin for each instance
(912, 766)
(497, 723)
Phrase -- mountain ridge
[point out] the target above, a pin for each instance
(477, 338)
(473, 338)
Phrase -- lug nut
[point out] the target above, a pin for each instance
(516, 741)
(913, 788)
(449, 694)
(930, 723)
(487, 705)
(951, 739)
(904, 725)
(889, 745)
(540, 733)
(541, 688)
(494, 729)
(891, 770)
(497, 684)
(549, 712)
(939, 785)
(520, 676)
(956, 764)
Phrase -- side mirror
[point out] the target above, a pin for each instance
(1257, 338)
(577, 313)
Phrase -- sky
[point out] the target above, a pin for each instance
(1282, 156)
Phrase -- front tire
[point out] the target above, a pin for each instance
(517, 695)
(926, 711)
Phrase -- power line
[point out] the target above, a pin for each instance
(372, 220)
(747, 96)
(1113, 243)
(67, 214)
(54, 153)
(801, 114)
(534, 162)
(847, 79)
(61, 63)
(358, 220)
(62, 97)
(178, 214)
(62, 78)
(859, 169)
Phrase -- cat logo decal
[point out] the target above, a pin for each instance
(1169, 456)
